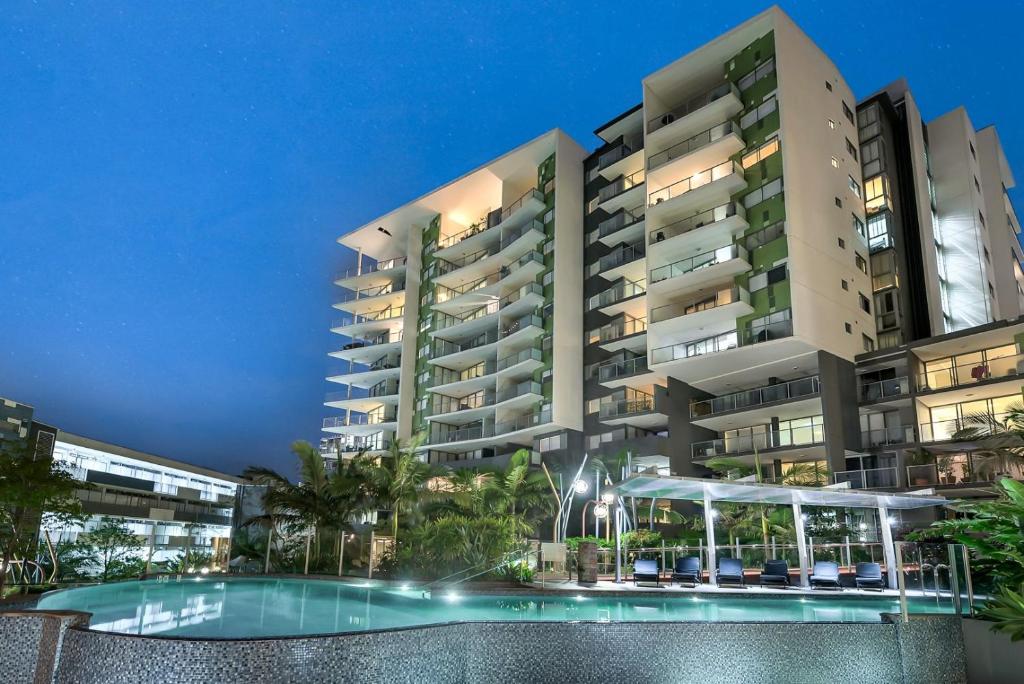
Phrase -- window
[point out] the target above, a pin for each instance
(832, 124)
(876, 194)
(762, 70)
(977, 185)
(849, 328)
(549, 277)
(835, 162)
(842, 243)
(839, 203)
(865, 303)
(883, 271)
(981, 217)
(551, 443)
(761, 153)
(766, 191)
(867, 120)
(974, 156)
(872, 158)
(851, 149)
(858, 226)
(828, 86)
(862, 265)
(763, 110)
(878, 231)
(869, 344)
(846, 285)
(847, 112)
(854, 186)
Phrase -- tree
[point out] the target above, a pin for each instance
(1000, 440)
(116, 549)
(398, 481)
(29, 485)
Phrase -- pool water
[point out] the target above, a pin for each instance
(268, 607)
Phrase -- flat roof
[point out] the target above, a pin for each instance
(125, 452)
(646, 486)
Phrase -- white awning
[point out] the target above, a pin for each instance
(646, 486)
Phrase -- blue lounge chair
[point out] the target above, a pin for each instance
(775, 573)
(730, 571)
(826, 574)
(646, 571)
(688, 570)
(869, 576)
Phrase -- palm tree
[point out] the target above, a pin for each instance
(520, 490)
(398, 481)
(1000, 440)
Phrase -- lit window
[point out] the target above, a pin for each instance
(835, 162)
(832, 124)
(761, 153)
(876, 194)
(862, 265)
(854, 186)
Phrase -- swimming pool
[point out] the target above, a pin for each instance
(241, 608)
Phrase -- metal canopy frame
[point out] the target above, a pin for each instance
(653, 486)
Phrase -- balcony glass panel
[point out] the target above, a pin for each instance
(697, 180)
(793, 389)
(696, 221)
(621, 185)
(691, 105)
(692, 144)
(704, 303)
(694, 263)
(885, 389)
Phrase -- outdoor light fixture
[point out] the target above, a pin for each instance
(601, 510)
(581, 486)
(714, 513)
(892, 520)
(608, 497)
(863, 526)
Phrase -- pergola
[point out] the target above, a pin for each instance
(652, 486)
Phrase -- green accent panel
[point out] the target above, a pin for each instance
(1019, 340)
(762, 301)
(776, 211)
(765, 256)
(754, 95)
(746, 59)
(546, 171)
(546, 389)
(763, 171)
(757, 133)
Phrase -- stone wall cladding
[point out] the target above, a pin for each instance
(30, 643)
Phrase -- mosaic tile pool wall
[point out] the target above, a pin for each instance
(536, 652)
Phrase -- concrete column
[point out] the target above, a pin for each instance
(838, 395)
(359, 261)
(618, 540)
(709, 529)
(801, 544)
(887, 546)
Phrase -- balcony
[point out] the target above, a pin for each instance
(389, 319)
(638, 412)
(753, 398)
(460, 356)
(716, 265)
(385, 392)
(361, 424)
(375, 295)
(615, 373)
(695, 114)
(466, 409)
(953, 471)
(893, 388)
(716, 226)
(503, 255)
(526, 298)
(947, 430)
(622, 297)
(625, 261)
(711, 187)
(622, 192)
(872, 478)
(779, 327)
(520, 394)
(618, 160)
(887, 436)
(990, 369)
(457, 328)
(625, 225)
(487, 230)
(700, 151)
(522, 361)
(380, 369)
(367, 349)
(463, 381)
(371, 274)
(466, 434)
(523, 422)
(775, 440)
(683, 320)
(628, 332)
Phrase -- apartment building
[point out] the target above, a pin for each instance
(757, 256)
(451, 314)
(169, 505)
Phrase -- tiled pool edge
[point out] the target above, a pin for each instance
(920, 651)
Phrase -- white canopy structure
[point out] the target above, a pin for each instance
(650, 485)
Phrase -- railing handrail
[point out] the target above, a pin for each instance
(764, 394)
(522, 422)
(626, 367)
(958, 424)
(623, 289)
(692, 144)
(375, 291)
(690, 105)
(718, 255)
(518, 390)
(697, 180)
(383, 265)
(901, 385)
(359, 419)
(723, 297)
(621, 185)
(617, 221)
(695, 221)
(623, 407)
(984, 368)
(627, 146)
(520, 356)
(370, 317)
(769, 439)
(729, 340)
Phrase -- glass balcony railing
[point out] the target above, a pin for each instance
(381, 389)
(695, 263)
(443, 320)
(619, 220)
(359, 419)
(628, 146)
(610, 370)
(523, 422)
(462, 434)
(524, 291)
(385, 265)
(946, 430)
(621, 255)
(794, 389)
(896, 434)
(534, 225)
(697, 180)
(704, 303)
(616, 330)
(696, 221)
(521, 323)
(779, 326)
(623, 289)
(368, 292)
(885, 389)
(387, 338)
(621, 185)
(446, 376)
(531, 194)
(373, 316)
(443, 404)
(871, 478)
(491, 220)
(770, 439)
(523, 388)
(445, 294)
(1007, 366)
(692, 144)
(691, 105)
(626, 407)
(441, 347)
(533, 353)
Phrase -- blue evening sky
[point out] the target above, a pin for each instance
(173, 176)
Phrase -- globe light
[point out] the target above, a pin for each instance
(714, 513)
(608, 497)
(581, 486)
(601, 510)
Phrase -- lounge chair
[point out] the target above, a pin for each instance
(869, 576)
(237, 563)
(730, 571)
(775, 573)
(826, 574)
(646, 571)
(688, 570)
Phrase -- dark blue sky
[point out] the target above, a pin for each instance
(172, 180)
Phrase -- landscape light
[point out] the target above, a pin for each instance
(581, 486)
(608, 497)
(601, 510)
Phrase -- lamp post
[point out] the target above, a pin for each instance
(600, 513)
